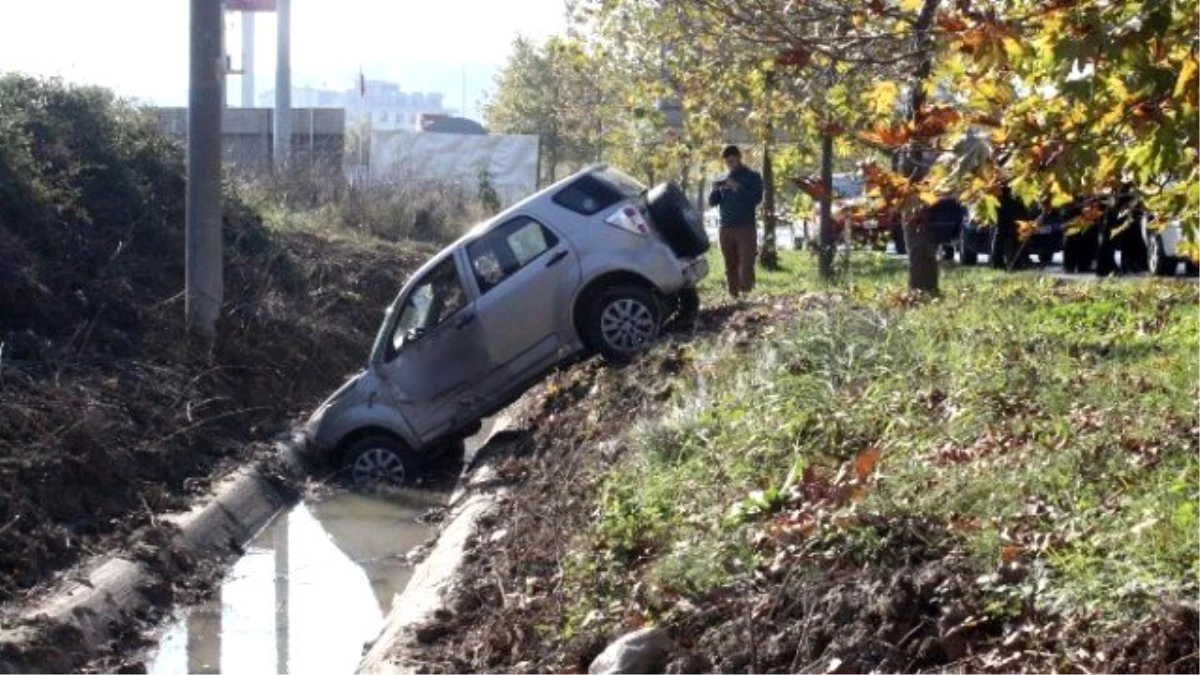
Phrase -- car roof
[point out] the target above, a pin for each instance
(504, 216)
(507, 214)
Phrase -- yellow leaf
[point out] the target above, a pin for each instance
(1117, 86)
(883, 96)
(1014, 47)
(930, 198)
(1112, 117)
(1187, 77)
(1108, 166)
(910, 5)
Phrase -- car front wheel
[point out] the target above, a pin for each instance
(622, 321)
(378, 462)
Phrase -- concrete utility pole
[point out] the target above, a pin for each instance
(283, 599)
(283, 85)
(247, 59)
(204, 285)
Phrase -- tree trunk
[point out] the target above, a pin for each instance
(701, 202)
(828, 243)
(769, 255)
(922, 253)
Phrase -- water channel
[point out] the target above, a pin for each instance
(311, 590)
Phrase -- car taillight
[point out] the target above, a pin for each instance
(630, 220)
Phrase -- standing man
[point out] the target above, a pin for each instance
(737, 195)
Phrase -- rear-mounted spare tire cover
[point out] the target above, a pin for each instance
(679, 223)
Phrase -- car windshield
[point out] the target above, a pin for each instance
(437, 296)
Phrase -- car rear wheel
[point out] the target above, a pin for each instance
(378, 462)
(1161, 264)
(679, 223)
(622, 321)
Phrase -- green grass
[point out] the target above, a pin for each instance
(1056, 420)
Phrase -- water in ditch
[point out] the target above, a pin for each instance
(312, 588)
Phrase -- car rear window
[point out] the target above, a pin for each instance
(593, 192)
(628, 185)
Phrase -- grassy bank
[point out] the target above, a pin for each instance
(846, 479)
(1044, 430)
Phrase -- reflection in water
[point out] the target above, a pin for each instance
(312, 588)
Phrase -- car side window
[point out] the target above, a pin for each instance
(432, 300)
(502, 252)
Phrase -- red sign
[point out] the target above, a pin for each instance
(250, 5)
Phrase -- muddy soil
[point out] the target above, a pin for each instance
(913, 607)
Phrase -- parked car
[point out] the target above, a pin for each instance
(975, 239)
(947, 216)
(1116, 242)
(592, 264)
(1163, 255)
(946, 219)
(1002, 242)
(1050, 234)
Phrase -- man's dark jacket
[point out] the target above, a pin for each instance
(737, 207)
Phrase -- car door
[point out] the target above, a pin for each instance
(525, 274)
(435, 354)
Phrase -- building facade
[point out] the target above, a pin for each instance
(384, 106)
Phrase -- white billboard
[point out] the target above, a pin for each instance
(511, 161)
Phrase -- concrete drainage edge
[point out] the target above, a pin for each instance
(96, 613)
(425, 594)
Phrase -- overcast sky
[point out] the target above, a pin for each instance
(140, 47)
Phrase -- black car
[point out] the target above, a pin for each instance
(976, 238)
(947, 216)
(1002, 242)
(1118, 230)
(946, 219)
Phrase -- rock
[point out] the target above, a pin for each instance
(431, 632)
(643, 651)
(690, 662)
(466, 602)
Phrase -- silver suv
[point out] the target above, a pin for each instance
(592, 264)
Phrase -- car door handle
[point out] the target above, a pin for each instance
(464, 321)
(554, 259)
